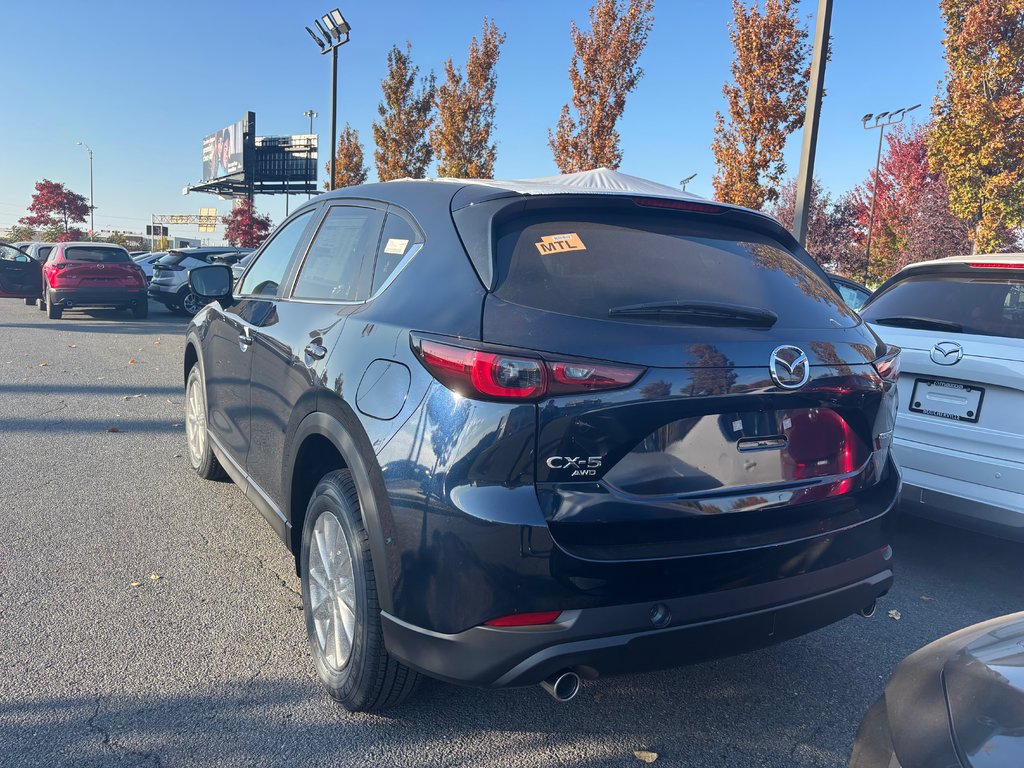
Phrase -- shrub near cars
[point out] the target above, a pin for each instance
(87, 274)
(519, 433)
(960, 430)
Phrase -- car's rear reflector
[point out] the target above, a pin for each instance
(888, 367)
(994, 265)
(486, 374)
(525, 619)
(679, 205)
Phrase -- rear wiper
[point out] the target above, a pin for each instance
(699, 313)
(923, 323)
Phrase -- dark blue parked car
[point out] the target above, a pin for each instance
(516, 433)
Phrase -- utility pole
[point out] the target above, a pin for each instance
(815, 89)
(92, 207)
(310, 114)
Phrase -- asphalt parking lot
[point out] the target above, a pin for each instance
(149, 618)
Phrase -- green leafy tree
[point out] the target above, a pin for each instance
(978, 141)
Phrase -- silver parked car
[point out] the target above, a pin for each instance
(38, 251)
(169, 285)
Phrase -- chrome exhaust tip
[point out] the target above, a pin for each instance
(563, 686)
(868, 610)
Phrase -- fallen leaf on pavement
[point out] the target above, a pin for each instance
(113, 429)
(154, 577)
(136, 583)
(131, 361)
(894, 614)
(929, 599)
(644, 756)
(43, 364)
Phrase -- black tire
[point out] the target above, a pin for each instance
(29, 302)
(189, 304)
(202, 459)
(53, 312)
(141, 310)
(369, 680)
(41, 303)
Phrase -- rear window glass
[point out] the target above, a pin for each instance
(397, 241)
(978, 305)
(582, 264)
(94, 254)
(44, 251)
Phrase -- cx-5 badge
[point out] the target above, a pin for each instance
(789, 367)
(947, 353)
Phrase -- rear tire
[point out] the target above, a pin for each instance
(190, 303)
(141, 310)
(340, 603)
(54, 312)
(41, 303)
(197, 436)
(29, 302)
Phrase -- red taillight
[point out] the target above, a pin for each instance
(888, 367)
(678, 205)
(511, 376)
(992, 265)
(525, 619)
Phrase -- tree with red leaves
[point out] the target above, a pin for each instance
(913, 221)
(55, 206)
(245, 227)
(831, 230)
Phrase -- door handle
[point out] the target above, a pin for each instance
(316, 351)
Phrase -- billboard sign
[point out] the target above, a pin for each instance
(224, 152)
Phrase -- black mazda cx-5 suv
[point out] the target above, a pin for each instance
(521, 433)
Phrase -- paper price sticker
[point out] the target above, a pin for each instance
(396, 245)
(560, 243)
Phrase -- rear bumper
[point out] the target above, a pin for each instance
(622, 639)
(948, 493)
(93, 297)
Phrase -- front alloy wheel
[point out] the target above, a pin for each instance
(190, 303)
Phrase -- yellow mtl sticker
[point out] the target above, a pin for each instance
(559, 243)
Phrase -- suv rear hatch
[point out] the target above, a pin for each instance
(103, 268)
(706, 451)
(962, 331)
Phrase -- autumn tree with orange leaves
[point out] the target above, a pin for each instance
(603, 72)
(403, 147)
(766, 102)
(978, 140)
(461, 136)
(349, 169)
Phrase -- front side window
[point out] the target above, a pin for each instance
(337, 267)
(267, 271)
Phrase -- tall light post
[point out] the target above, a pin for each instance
(92, 224)
(891, 119)
(310, 114)
(687, 180)
(332, 41)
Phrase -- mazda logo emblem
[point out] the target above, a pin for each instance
(789, 367)
(99, 266)
(947, 353)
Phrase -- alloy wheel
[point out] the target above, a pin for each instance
(332, 591)
(195, 421)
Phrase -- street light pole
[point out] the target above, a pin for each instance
(815, 90)
(92, 208)
(687, 180)
(310, 114)
(330, 39)
(893, 118)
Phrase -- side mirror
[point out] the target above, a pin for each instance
(212, 282)
(21, 257)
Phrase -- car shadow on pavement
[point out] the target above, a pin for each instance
(107, 321)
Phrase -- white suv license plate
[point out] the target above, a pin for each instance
(947, 400)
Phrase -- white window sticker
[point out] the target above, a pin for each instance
(396, 245)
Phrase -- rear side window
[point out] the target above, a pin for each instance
(96, 255)
(44, 252)
(396, 242)
(986, 306)
(582, 264)
(337, 266)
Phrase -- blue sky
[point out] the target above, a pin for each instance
(143, 82)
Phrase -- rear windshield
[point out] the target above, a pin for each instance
(585, 264)
(980, 305)
(94, 254)
(176, 257)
